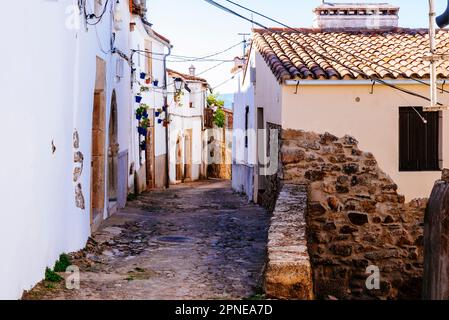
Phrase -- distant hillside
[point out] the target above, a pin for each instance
(228, 99)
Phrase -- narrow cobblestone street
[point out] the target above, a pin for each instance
(194, 241)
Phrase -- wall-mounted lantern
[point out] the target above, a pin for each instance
(178, 84)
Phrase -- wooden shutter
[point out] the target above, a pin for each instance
(418, 142)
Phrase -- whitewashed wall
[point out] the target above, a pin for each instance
(183, 118)
(244, 159)
(47, 83)
(154, 98)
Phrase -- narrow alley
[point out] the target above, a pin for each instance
(195, 241)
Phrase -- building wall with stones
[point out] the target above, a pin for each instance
(219, 149)
(355, 219)
(47, 126)
(369, 113)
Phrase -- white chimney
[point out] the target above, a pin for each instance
(356, 16)
(192, 70)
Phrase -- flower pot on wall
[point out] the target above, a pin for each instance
(143, 75)
(157, 113)
(148, 81)
(138, 99)
(155, 83)
(142, 131)
(159, 121)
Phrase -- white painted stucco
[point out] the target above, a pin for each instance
(150, 45)
(182, 118)
(244, 157)
(47, 82)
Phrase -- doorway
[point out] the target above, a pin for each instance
(97, 188)
(149, 153)
(113, 150)
(188, 155)
(179, 162)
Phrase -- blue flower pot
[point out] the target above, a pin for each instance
(155, 83)
(157, 113)
(142, 131)
(138, 99)
(145, 114)
(159, 121)
(143, 75)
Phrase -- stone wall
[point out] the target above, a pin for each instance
(355, 219)
(289, 274)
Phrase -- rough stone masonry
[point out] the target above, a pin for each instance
(355, 219)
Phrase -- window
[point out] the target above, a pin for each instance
(192, 96)
(419, 142)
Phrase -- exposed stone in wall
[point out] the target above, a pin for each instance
(219, 171)
(79, 197)
(272, 182)
(289, 274)
(78, 159)
(219, 146)
(356, 218)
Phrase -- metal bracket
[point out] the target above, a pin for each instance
(373, 83)
(435, 108)
(297, 87)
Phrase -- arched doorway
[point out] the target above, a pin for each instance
(113, 150)
(97, 187)
(179, 162)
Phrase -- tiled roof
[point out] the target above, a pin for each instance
(186, 77)
(392, 54)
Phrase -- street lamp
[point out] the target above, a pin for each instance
(178, 84)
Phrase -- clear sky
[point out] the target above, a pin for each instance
(196, 28)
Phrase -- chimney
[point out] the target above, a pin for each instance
(192, 70)
(356, 16)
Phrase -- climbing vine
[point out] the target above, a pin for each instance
(214, 102)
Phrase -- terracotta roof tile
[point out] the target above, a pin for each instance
(186, 77)
(393, 54)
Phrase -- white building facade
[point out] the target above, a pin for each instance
(186, 126)
(69, 134)
(149, 152)
(304, 88)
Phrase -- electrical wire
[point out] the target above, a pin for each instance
(223, 83)
(94, 16)
(211, 68)
(226, 9)
(148, 55)
(330, 45)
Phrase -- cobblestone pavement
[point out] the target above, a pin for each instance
(194, 241)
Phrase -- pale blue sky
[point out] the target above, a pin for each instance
(196, 28)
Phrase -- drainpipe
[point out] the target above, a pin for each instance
(167, 137)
